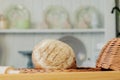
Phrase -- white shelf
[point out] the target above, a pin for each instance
(53, 31)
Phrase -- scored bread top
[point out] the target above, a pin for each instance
(53, 54)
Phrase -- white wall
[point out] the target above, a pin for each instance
(109, 20)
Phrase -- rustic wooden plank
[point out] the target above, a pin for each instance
(108, 75)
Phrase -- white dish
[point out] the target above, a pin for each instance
(78, 47)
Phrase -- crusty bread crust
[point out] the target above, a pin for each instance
(53, 54)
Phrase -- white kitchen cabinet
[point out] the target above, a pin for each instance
(12, 41)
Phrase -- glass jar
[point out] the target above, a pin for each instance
(3, 22)
(19, 17)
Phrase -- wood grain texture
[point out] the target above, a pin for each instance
(108, 75)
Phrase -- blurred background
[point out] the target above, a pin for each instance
(86, 25)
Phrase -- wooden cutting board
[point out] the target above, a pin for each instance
(106, 75)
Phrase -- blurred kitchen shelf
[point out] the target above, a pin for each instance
(53, 31)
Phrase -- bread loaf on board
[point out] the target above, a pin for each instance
(53, 54)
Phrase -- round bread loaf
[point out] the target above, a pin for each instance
(53, 54)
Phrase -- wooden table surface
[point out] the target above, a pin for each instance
(105, 75)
